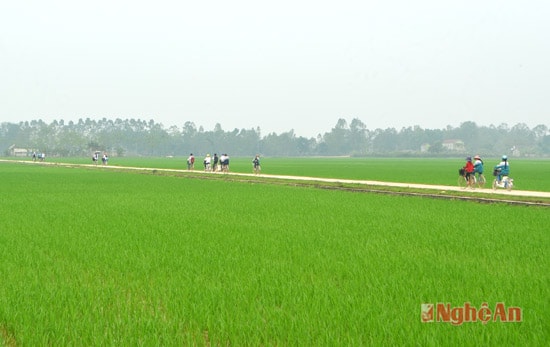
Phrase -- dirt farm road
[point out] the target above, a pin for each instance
(500, 191)
(439, 188)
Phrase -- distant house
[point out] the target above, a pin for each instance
(514, 151)
(17, 152)
(454, 145)
(425, 147)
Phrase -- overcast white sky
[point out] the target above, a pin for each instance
(279, 65)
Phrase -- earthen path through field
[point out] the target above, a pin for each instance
(440, 188)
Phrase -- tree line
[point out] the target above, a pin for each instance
(135, 137)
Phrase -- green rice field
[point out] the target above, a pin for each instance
(93, 257)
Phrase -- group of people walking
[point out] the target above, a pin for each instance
(104, 158)
(211, 164)
(38, 156)
(219, 164)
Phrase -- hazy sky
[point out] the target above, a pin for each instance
(279, 65)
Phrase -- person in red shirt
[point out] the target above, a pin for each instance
(191, 162)
(469, 170)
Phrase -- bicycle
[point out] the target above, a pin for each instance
(479, 180)
(463, 182)
(505, 181)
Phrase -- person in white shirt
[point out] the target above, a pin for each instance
(224, 161)
(207, 163)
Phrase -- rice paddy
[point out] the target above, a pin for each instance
(93, 257)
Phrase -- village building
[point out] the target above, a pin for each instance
(18, 152)
(454, 145)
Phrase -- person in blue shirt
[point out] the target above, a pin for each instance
(502, 169)
(256, 164)
(478, 165)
